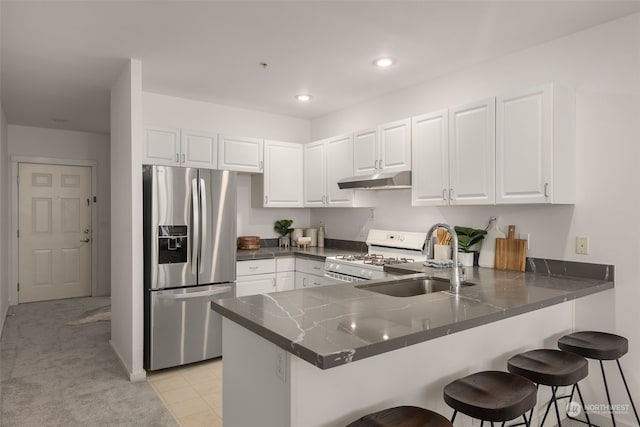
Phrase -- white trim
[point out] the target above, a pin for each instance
(13, 242)
(134, 377)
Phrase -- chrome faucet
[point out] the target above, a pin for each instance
(427, 249)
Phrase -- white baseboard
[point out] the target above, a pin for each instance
(134, 377)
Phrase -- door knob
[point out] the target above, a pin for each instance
(85, 240)
(86, 231)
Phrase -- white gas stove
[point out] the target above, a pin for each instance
(385, 247)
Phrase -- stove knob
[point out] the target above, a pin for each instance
(338, 267)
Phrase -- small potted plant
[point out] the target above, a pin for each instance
(467, 239)
(283, 228)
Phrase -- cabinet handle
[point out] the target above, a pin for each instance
(184, 157)
(261, 165)
(324, 200)
(451, 195)
(177, 157)
(546, 190)
(266, 199)
(253, 268)
(444, 194)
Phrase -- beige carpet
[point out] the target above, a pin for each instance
(58, 369)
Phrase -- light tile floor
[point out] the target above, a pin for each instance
(193, 393)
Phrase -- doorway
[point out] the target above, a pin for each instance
(54, 232)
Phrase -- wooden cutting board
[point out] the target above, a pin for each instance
(511, 253)
(249, 242)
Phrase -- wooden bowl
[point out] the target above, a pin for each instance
(249, 242)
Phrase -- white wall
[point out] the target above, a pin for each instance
(70, 145)
(126, 219)
(602, 65)
(169, 111)
(4, 221)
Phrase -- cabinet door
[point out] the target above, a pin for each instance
(339, 163)
(395, 146)
(285, 281)
(314, 174)
(240, 154)
(283, 175)
(430, 158)
(365, 152)
(257, 284)
(199, 149)
(524, 146)
(162, 147)
(471, 153)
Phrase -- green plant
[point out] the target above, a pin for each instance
(468, 237)
(282, 226)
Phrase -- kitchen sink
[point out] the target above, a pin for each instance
(410, 287)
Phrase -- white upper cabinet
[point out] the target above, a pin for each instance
(365, 152)
(283, 177)
(472, 153)
(314, 174)
(386, 148)
(199, 149)
(240, 154)
(430, 156)
(535, 146)
(325, 163)
(395, 146)
(162, 146)
(174, 147)
(339, 164)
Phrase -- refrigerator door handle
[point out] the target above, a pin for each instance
(203, 232)
(199, 294)
(195, 241)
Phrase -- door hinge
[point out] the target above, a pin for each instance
(18, 234)
(18, 287)
(18, 179)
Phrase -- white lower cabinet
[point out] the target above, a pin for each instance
(255, 277)
(311, 273)
(285, 274)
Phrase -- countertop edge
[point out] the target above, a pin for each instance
(344, 357)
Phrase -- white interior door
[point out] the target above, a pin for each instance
(54, 210)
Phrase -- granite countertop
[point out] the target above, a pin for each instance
(333, 325)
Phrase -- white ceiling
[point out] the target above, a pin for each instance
(59, 59)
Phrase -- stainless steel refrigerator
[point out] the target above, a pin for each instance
(189, 260)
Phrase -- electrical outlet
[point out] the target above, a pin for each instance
(527, 237)
(281, 365)
(582, 245)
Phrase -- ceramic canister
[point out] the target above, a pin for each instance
(297, 232)
(313, 233)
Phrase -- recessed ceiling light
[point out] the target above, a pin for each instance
(384, 62)
(304, 97)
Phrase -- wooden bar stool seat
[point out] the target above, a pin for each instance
(402, 416)
(600, 346)
(491, 396)
(553, 368)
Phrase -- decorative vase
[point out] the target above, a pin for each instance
(284, 242)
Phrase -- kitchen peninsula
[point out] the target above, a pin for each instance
(325, 356)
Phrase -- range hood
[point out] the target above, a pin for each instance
(378, 181)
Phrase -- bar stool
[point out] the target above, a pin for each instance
(553, 368)
(402, 416)
(600, 346)
(492, 396)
